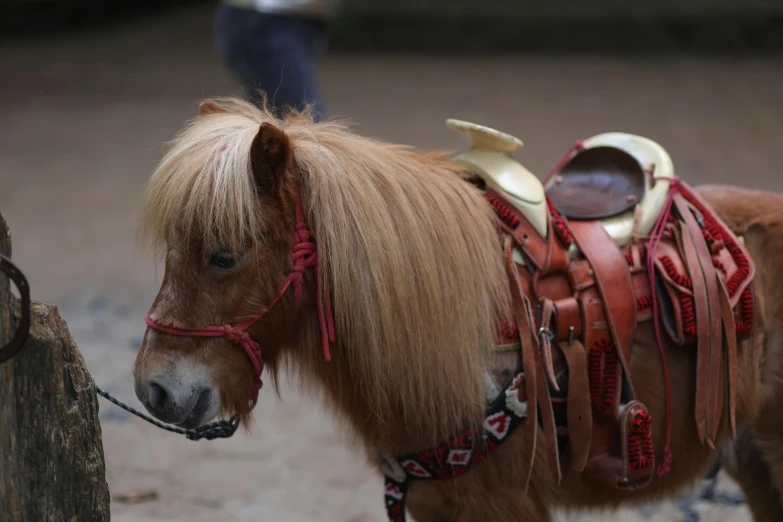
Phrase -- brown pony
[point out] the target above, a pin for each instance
(408, 257)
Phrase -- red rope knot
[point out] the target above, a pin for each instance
(236, 335)
(304, 256)
(303, 233)
(641, 422)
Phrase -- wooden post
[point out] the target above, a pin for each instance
(51, 455)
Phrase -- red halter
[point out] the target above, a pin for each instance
(304, 255)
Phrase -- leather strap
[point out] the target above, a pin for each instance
(536, 386)
(702, 334)
(581, 275)
(545, 336)
(613, 281)
(673, 289)
(613, 298)
(548, 424)
(580, 413)
(557, 256)
(597, 336)
(739, 245)
(641, 289)
(605, 395)
(532, 244)
(568, 316)
(529, 352)
(730, 354)
(709, 329)
(546, 254)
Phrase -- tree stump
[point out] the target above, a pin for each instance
(51, 455)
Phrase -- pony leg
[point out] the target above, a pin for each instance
(769, 440)
(768, 424)
(744, 461)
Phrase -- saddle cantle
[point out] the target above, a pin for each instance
(614, 241)
(606, 177)
(597, 183)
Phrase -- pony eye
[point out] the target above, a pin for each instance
(224, 260)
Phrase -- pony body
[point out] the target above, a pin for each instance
(418, 287)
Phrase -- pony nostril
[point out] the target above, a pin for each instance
(157, 397)
(202, 404)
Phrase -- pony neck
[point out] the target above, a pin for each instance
(416, 275)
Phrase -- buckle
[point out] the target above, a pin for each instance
(546, 331)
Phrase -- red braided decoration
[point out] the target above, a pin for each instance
(629, 258)
(603, 381)
(743, 269)
(744, 326)
(671, 271)
(716, 230)
(559, 222)
(717, 263)
(644, 302)
(503, 212)
(708, 237)
(509, 332)
(687, 305)
(688, 308)
(640, 446)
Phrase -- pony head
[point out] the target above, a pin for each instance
(222, 203)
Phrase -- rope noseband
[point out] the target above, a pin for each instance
(304, 255)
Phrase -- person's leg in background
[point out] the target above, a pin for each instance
(273, 53)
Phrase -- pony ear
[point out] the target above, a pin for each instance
(208, 107)
(271, 156)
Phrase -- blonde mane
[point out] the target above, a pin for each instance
(409, 247)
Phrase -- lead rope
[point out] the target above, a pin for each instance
(214, 430)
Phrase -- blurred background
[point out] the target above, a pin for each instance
(90, 91)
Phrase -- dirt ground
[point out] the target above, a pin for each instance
(83, 120)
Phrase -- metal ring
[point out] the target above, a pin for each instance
(547, 332)
(23, 328)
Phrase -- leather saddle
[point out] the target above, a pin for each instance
(602, 179)
(576, 255)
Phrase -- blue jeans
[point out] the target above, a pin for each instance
(273, 53)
